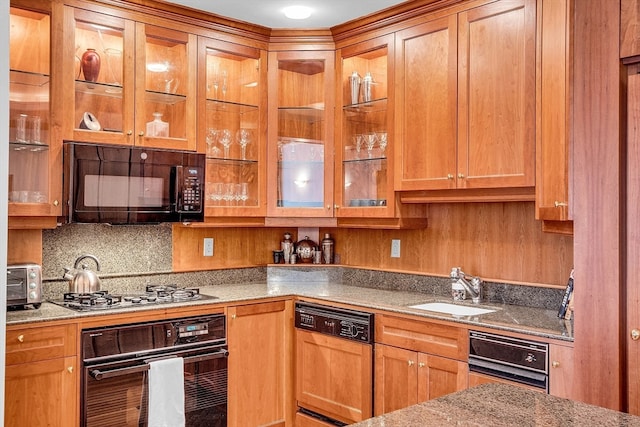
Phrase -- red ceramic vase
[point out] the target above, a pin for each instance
(90, 63)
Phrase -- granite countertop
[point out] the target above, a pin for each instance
(533, 321)
(498, 405)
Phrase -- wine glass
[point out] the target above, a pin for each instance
(218, 190)
(358, 140)
(225, 140)
(243, 136)
(211, 139)
(370, 141)
(382, 141)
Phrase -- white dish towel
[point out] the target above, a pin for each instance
(166, 393)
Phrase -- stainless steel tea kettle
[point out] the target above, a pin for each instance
(83, 280)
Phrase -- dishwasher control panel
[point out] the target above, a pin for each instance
(339, 322)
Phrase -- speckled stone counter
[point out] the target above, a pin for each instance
(533, 321)
(498, 405)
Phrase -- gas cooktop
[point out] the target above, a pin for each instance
(153, 295)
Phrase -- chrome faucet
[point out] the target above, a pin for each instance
(471, 284)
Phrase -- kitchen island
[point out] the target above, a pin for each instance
(496, 405)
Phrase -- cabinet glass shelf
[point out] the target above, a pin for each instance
(164, 98)
(99, 89)
(230, 107)
(28, 78)
(310, 114)
(367, 107)
(27, 146)
(223, 161)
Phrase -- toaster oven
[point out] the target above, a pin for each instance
(24, 285)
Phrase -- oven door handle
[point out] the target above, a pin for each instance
(102, 375)
(202, 357)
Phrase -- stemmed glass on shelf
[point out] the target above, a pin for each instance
(243, 136)
(225, 139)
(382, 141)
(370, 141)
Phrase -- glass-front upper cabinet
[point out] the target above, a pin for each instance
(166, 69)
(301, 117)
(231, 96)
(365, 124)
(33, 147)
(133, 83)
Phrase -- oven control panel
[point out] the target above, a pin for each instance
(193, 329)
(338, 322)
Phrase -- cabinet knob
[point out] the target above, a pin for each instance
(411, 362)
(70, 369)
(461, 175)
(141, 133)
(233, 316)
(635, 334)
(558, 204)
(421, 365)
(130, 132)
(555, 364)
(56, 203)
(449, 176)
(336, 207)
(21, 338)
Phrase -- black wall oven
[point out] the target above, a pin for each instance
(132, 185)
(116, 360)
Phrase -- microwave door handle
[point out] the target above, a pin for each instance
(103, 375)
(178, 179)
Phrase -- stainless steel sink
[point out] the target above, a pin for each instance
(453, 309)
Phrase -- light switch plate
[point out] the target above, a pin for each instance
(208, 246)
(395, 248)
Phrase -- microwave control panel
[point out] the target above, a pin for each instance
(190, 189)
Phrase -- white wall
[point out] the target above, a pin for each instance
(4, 167)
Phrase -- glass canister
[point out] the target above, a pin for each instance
(327, 249)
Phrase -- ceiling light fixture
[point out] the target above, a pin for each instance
(297, 12)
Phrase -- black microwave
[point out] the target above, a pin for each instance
(132, 185)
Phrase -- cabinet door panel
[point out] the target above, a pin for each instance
(496, 108)
(259, 337)
(438, 376)
(396, 379)
(426, 58)
(42, 393)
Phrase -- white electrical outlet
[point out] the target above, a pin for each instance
(395, 248)
(208, 246)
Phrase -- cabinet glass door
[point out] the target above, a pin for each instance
(165, 87)
(231, 91)
(100, 63)
(30, 138)
(301, 121)
(367, 180)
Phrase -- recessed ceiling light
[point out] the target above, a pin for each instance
(297, 12)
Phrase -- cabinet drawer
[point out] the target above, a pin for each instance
(26, 345)
(427, 337)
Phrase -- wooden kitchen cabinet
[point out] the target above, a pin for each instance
(561, 371)
(232, 100)
(260, 389)
(466, 100)
(364, 165)
(416, 361)
(405, 377)
(35, 189)
(300, 129)
(144, 91)
(553, 93)
(41, 376)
